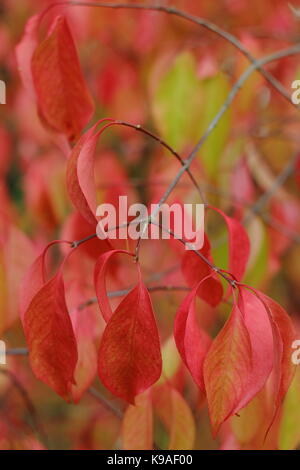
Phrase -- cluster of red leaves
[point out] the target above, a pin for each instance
(251, 350)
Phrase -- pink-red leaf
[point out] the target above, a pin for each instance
(195, 269)
(99, 279)
(226, 369)
(239, 245)
(260, 332)
(284, 335)
(129, 356)
(192, 341)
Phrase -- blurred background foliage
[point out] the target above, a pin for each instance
(171, 77)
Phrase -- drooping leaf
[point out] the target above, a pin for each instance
(64, 102)
(239, 245)
(227, 368)
(34, 279)
(129, 355)
(76, 227)
(80, 180)
(50, 337)
(260, 332)
(284, 369)
(191, 340)
(80, 185)
(195, 269)
(100, 278)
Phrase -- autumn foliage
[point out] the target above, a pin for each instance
(144, 345)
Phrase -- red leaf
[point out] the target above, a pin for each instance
(80, 174)
(239, 245)
(50, 338)
(99, 279)
(195, 269)
(32, 282)
(192, 342)
(34, 279)
(77, 228)
(80, 177)
(64, 102)
(227, 367)
(129, 356)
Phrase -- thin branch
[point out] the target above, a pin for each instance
(17, 352)
(191, 18)
(121, 293)
(232, 94)
(139, 128)
(279, 181)
(105, 402)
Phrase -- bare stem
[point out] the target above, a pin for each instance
(169, 148)
(193, 19)
(232, 94)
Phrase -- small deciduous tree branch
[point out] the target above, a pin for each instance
(17, 352)
(105, 402)
(121, 293)
(193, 19)
(169, 148)
(279, 181)
(232, 94)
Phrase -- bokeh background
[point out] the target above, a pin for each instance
(170, 76)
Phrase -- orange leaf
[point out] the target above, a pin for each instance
(137, 428)
(50, 338)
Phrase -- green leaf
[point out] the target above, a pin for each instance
(184, 105)
(258, 261)
(177, 102)
(215, 91)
